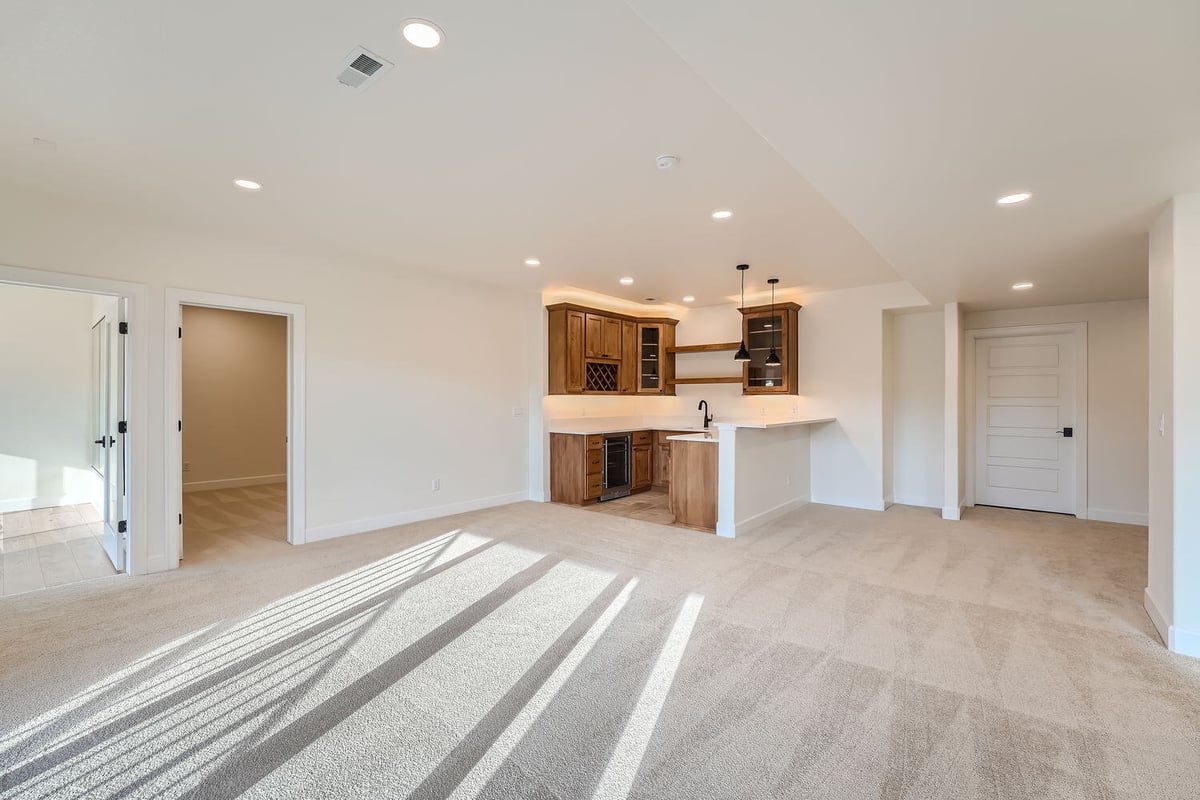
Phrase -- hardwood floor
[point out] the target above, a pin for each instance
(224, 523)
(51, 547)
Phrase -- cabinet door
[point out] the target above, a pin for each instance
(761, 332)
(650, 358)
(629, 358)
(641, 467)
(661, 468)
(575, 338)
(593, 340)
(612, 337)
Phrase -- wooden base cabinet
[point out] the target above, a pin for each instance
(694, 484)
(576, 468)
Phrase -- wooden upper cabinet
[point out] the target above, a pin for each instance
(763, 329)
(655, 365)
(574, 352)
(598, 352)
(629, 357)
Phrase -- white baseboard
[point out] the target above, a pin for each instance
(763, 517)
(850, 502)
(952, 512)
(1156, 616)
(919, 502)
(160, 564)
(1184, 642)
(31, 503)
(233, 483)
(405, 517)
(1124, 517)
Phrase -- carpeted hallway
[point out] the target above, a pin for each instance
(542, 651)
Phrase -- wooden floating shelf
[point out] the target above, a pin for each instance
(704, 348)
(722, 379)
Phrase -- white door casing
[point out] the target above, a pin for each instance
(1027, 388)
(116, 508)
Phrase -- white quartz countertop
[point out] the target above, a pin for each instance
(780, 423)
(709, 438)
(593, 425)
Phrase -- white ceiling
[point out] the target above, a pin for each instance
(913, 117)
(532, 132)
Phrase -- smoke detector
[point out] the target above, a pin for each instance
(361, 68)
(666, 161)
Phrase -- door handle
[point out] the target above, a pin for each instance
(100, 442)
(1066, 432)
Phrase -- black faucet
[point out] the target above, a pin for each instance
(704, 407)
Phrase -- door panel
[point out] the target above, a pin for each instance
(593, 340)
(1024, 394)
(575, 339)
(116, 507)
(612, 338)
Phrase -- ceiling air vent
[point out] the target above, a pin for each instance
(361, 67)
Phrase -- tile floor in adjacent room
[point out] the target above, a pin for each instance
(653, 505)
(51, 547)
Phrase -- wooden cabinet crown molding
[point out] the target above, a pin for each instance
(767, 308)
(607, 313)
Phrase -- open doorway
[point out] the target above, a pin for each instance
(234, 400)
(64, 490)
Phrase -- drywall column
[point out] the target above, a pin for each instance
(953, 494)
(1173, 593)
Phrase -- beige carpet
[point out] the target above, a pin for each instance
(539, 651)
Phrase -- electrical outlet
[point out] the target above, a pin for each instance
(795, 411)
(437, 484)
(787, 480)
(518, 411)
(187, 466)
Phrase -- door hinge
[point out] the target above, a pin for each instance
(181, 333)
(122, 427)
(122, 327)
(181, 519)
(122, 526)
(181, 426)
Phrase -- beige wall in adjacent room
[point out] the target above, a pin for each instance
(234, 397)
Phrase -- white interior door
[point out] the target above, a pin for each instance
(99, 414)
(1025, 448)
(114, 442)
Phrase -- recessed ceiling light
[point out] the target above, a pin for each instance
(1013, 199)
(722, 213)
(533, 262)
(1023, 285)
(247, 185)
(626, 281)
(687, 298)
(422, 33)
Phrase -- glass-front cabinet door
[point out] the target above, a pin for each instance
(650, 361)
(764, 329)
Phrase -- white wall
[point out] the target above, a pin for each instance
(918, 408)
(45, 398)
(841, 366)
(1118, 398)
(390, 405)
(954, 460)
(234, 397)
(1160, 586)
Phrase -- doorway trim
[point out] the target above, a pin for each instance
(137, 392)
(1079, 331)
(176, 299)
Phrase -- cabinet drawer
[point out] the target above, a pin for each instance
(642, 437)
(595, 442)
(595, 484)
(595, 462)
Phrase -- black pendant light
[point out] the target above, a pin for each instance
(773, 357)
(742, 354)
